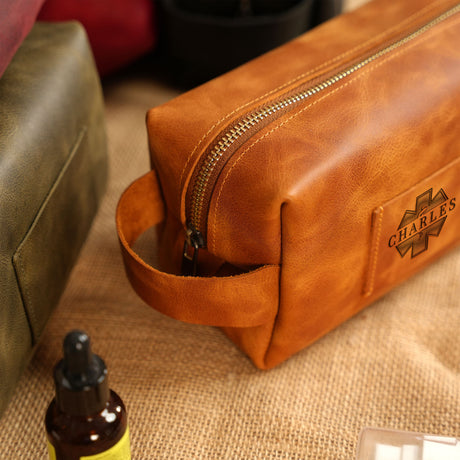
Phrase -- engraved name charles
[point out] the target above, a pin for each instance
(425, 221)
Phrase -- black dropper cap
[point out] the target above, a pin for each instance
(80, 378)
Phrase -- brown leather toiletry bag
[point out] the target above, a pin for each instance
(306, 183)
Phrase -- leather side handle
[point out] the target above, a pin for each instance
(245, 300)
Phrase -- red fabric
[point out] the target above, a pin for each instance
(119, 30)
(16, 19)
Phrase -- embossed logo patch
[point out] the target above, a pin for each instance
(425, 221)
(413, 228)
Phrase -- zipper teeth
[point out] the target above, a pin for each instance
(234, 133)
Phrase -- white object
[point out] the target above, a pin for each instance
(382, 444)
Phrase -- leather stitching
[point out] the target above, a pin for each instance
(405, 49)
(303, 75)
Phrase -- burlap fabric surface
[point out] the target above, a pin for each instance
(192, 395)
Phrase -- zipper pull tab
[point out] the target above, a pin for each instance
(193, 242)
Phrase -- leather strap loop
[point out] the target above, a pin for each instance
(246, 300)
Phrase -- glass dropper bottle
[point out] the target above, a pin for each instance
(86, 420)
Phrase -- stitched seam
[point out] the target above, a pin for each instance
(375, 253)
(268, 346)
(373, 67)
(303, 75)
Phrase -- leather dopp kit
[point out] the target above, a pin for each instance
(53, 171)
(292, 192)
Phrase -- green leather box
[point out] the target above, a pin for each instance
(53, 171)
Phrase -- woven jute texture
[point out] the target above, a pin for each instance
(191, 394)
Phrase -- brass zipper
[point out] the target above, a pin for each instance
(212, 163)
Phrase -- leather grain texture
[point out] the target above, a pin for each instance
(303, 191)
(235, 309)
(53, 171)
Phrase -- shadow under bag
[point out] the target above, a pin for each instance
(292, 192)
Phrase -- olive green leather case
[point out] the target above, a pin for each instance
(53, 170)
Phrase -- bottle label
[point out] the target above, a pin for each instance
(51, 451)
(120, 451)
